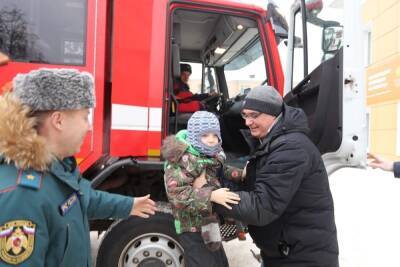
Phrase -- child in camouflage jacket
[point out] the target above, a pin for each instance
(194, 158)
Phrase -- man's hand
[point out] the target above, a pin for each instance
(223, 197)
(143, 207)
(379, 162)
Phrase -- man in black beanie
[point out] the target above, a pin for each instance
(286, 200)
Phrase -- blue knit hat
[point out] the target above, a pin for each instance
(200, 123)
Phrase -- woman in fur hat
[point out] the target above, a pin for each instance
(45, 203)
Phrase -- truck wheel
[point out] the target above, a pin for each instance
(141, 242)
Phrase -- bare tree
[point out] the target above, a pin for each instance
(15, 40)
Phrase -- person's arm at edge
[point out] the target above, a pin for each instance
(102, 205)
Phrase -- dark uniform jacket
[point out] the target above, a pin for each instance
(183, 165)
(287, 201)
(44, 211)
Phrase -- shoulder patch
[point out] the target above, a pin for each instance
(17, 239)
(30, 179)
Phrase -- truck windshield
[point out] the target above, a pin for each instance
(246, 71)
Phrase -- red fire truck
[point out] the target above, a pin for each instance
(134, 48)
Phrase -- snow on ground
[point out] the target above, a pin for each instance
(367, 210)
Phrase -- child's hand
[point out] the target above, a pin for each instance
(200, 181)
(223, 197)
(143, 206)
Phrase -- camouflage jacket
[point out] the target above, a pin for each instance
(183, 165)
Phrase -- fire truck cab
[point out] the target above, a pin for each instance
(134, 49)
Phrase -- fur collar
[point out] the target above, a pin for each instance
(172, 149)
(19, 140)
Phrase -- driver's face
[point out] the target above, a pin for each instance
(185, 76)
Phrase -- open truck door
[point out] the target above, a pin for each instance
(326, 79)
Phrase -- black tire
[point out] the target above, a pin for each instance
(141, 242)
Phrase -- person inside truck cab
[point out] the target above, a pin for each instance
(181, 83)
(188, 102)
(45, 202)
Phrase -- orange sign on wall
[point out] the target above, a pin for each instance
(383, 81)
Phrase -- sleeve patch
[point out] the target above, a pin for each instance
(17, 240)
(68, 203)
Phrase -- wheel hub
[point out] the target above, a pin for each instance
(152, 250)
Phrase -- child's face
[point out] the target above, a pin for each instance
(210, 139)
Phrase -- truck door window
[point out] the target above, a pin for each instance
(196, 83)
(324, 38)
(195, 78)
(46, 31)
(210, 82)
(246, 71)
(298, 54)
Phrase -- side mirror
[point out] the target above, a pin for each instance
(332, 39)
(278, 22)
(314, 7)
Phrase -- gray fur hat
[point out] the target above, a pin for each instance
(265, 99)
(55, 89)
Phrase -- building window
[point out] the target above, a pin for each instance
(367, 46)
(46, 31)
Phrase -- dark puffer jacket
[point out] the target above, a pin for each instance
(287, 201)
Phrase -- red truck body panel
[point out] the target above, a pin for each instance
(137, 63)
